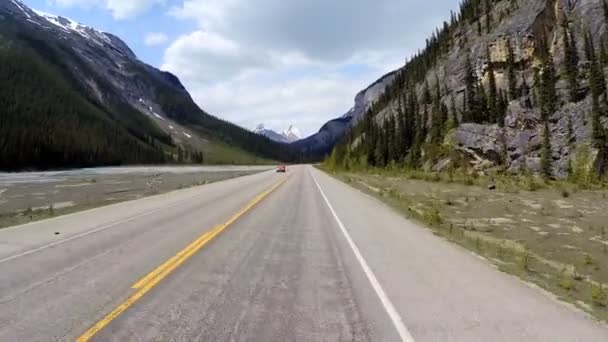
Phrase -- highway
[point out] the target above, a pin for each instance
(267, 257)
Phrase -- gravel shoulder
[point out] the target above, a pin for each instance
(551, 238)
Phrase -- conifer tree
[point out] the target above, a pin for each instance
(571, 60)
(511, 75)
(546, 153)
(426, 94)
(453, 113)
(482, 112)
(597, 83)
(603, 55)
(597, 131)
(488, 13)
(438, 119)
(547, 95)
(492, 90)
(605, 9)
(470, 113)
(503, 105)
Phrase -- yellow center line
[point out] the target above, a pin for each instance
(148, 282)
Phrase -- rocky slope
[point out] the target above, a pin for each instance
(97, 104)
(474, 48)
(320, 144)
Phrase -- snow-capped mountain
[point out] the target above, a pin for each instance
(125, 111)
(292, 134)
(70, 26)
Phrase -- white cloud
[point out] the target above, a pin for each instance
(281, 62)
(121, 9)
(155, 38)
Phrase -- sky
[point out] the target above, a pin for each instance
(276, 62)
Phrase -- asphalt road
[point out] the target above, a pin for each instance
(267, 257)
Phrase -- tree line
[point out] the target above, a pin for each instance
(418, 113)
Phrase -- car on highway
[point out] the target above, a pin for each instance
(282, 169)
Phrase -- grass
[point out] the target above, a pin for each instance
(218, 153)
(527, 226)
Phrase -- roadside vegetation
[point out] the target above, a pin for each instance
(550, 233)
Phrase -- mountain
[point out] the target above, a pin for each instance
(516, 86)
(320, 144)
(270, 134)
(72, 96)
(290, 135)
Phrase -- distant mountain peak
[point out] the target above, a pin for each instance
(291, 134)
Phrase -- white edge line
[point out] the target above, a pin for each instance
(404, 334)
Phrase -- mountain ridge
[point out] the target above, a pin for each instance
(515, 86)
(287, 136)
(148, 109)
(320, 144)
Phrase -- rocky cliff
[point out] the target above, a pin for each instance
(493, 88)
(320, 144)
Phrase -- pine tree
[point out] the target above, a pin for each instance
(482, 112)
(438, 119)
(511, 75)
(488, 13)
(391, 139)
(546, 153)
(597, 131)
(605, 9)
(426, 94)
(547, 95)
(603, 55)
(402, 129)
(502, 107)
(535, 89)
(571, 60)
(597, 82)
(454, 113)
(525, 92)
(492, 90)
(470, 113)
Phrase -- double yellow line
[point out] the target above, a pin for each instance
(145, 284)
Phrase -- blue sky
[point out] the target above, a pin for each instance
(277, 62)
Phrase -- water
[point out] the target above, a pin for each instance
(60, 176)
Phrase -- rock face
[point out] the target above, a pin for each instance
(518, 145)
(321, 143)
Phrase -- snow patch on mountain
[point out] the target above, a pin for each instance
(69, 25)
(18, 4)
(292, 134)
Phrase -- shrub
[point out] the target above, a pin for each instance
(599, 296)
(524, 261)
(566, 282)
(432, 217)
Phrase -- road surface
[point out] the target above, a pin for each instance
(267, 257)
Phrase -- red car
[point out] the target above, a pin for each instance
(282, 169)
